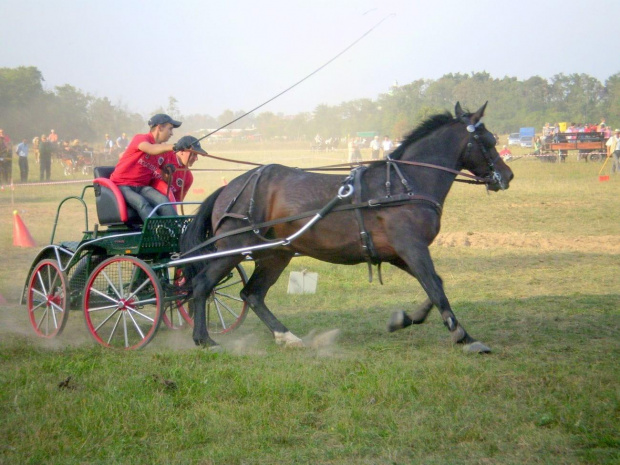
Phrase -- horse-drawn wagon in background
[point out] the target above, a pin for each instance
(588, 145)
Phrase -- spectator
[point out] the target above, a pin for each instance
(22, 153)
(45, 158)
(108, 144)
(6, 158)
(505, 154)
(122, 142)
(35, 147)
(138, 166)
(375, 148)
(387, 146)
(53, 137)
(613, 150)
(355, 156)
(571, 129)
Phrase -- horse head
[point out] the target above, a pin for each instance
(480, 155)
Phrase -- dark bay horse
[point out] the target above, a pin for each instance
(398, 229)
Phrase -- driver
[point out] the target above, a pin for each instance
(142, 158)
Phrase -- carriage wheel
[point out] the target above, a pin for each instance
(595, 157)
(123, 303)
(47, 299)
(225, 309)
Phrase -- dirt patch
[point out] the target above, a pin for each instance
(588, 244)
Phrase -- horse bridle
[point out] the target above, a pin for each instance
(472, 129)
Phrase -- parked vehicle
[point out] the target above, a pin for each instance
(514, 139)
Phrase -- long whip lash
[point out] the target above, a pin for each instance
(300, 81)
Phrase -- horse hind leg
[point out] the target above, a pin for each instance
(202, 285)
(266, 272)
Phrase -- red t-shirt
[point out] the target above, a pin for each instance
(182, 178)
(136, 168)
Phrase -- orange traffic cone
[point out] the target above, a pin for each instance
(21, 235)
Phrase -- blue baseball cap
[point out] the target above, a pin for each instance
(160, 118)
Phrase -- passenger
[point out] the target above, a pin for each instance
(181, 179)
(136, 168)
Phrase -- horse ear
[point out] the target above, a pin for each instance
(458, 111)
(480, 113)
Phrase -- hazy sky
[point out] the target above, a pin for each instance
(213, 55)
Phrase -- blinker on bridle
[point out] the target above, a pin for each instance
(496, 177)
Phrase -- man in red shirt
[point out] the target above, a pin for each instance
(181, 178)
(142, 159)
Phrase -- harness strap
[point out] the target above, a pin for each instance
(394, 201)
(368, 246)
(227, 214)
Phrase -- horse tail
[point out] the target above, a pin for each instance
(198, 230)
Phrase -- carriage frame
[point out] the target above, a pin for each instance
(120, 276)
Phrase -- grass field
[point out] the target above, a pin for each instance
(532, 272)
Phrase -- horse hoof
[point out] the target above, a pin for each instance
(476, 348)
(207, 343)
(287, 339)
(398, 320)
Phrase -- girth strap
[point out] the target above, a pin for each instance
(368, 246)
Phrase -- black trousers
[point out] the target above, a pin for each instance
(23, 168)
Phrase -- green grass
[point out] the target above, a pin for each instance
(532, 272)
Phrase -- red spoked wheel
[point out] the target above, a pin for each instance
(225, 309)
(47, 299)
(123, 303)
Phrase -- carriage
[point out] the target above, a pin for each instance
(119, 276)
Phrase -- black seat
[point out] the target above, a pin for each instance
(112, 209)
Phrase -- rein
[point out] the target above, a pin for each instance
(473, 179)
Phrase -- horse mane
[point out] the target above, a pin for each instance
(429, 125)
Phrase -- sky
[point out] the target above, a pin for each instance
(217, 55)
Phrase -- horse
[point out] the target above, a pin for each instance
(384, 221)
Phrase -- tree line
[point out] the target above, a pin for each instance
(27, 109)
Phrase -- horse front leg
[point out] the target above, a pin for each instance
(400, 320)
(267, 270)
(420, 265)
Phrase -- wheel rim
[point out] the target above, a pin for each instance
(123, 303)
(225, 309)
(47, 299)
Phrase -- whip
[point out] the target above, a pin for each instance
(301, 80)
